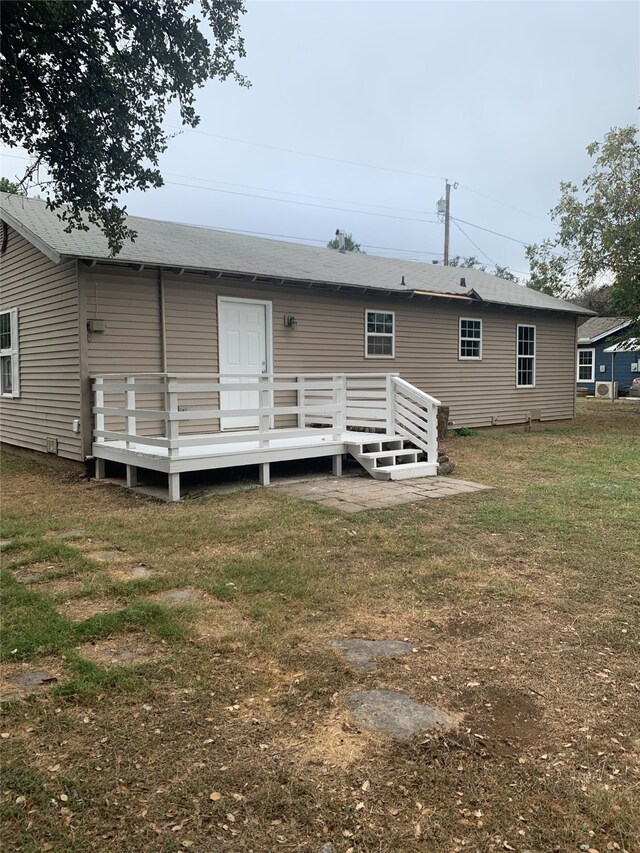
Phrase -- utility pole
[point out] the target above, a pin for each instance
(447, 216)
(444, 213)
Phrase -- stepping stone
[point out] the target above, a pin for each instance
(71, 534)
(131, 573)
(33, 573)
(33, 678)
(4, 543)
(107, 556)
(397, 714)
(20, 680)
(180, 596)
(361, 654)
(27, 577)
(130, 648)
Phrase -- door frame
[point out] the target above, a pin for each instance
(268, 320)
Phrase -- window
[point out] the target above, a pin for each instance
(470, 339)
(526, 357)
(9, 373)
(379, 328)
(586, 365)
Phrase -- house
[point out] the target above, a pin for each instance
(602, 358)
(197, 348)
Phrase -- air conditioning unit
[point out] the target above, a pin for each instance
(607, 390)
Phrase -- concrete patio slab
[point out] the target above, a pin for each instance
(352, 494)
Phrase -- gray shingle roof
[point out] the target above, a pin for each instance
(191, 247)
(597, 327)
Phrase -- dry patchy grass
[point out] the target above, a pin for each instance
(522, 605)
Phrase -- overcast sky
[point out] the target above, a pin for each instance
(502, 97)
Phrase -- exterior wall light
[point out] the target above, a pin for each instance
(290, 321)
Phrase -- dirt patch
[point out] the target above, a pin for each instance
(219, 621)
(125, 649)
(64, 586)
(109, 556)
(507, 721)
(464, 628)
(34, 572)
(65, 535)
(335, 742)
(132, 573)
(79, 609)
(22, 679)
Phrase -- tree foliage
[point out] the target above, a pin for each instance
(598, 236)
(472, 263)
(86, 86)
(7, 186)
(350, 244)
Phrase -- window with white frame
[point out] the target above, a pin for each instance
(379, 334)
(586, 365)
(9, 368)
(526, 356)
(470, 339)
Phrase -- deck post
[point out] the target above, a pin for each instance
(172, 424)
(130, 404)
(174, 487)
(302, 421)
(265, 473)
(340, 400)
(336, 465)
(264, 401)
(432, 434)
(99, 470)
(390, 405)
(132, 476)
(99, 403)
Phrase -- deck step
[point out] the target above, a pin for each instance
(385, 454)
(409, 471)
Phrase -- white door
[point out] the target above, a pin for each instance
(242, 329)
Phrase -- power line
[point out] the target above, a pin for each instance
(473, 243)
(298, 195)
(503, 203)
(497, 233)
(316, 156)
(302, 203)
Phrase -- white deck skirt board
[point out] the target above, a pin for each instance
(206, 457)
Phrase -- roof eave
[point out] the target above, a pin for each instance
(32, 238)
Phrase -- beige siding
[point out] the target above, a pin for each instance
(330, 337)
(129, 305)
(46, 296)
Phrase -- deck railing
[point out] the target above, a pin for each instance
(187, 410)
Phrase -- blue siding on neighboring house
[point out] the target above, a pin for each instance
(622, 364)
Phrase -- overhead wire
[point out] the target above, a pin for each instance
(302, 203)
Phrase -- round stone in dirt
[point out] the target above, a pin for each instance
(32, 678)
(361, 654)
(108, 556)
(397, 714)
(179, 596)
(27, 577)
(140, 572)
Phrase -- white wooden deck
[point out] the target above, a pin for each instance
(295, 416)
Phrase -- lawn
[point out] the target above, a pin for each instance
(223, 723)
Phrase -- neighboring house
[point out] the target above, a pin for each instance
(209, 306)
(600, 358)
